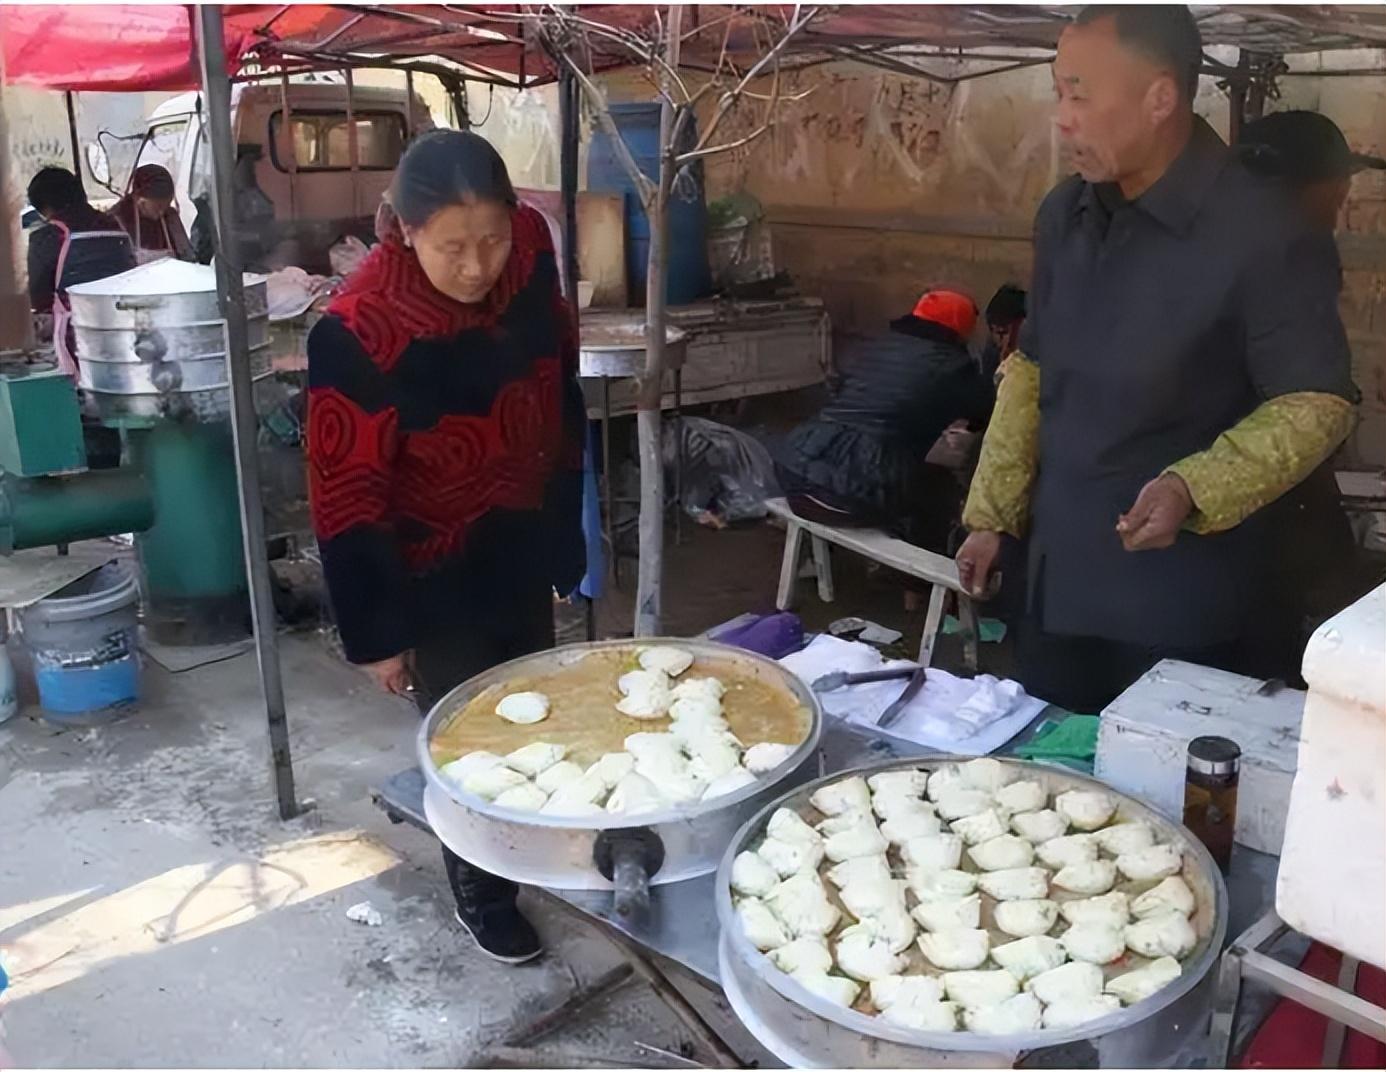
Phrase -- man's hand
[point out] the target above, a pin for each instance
(1159, 512)
(395, 674)
(976, 558)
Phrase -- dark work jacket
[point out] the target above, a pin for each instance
(87, 261)
(896, 395)
(1157, 325)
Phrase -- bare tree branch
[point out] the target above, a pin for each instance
(601, 113)
(728, 101)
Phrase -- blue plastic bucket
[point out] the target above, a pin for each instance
(84, 645)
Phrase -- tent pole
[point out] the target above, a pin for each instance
(16, 322)
(71, 101)
(352, 144)
(568, 184)
(216, 86)
(568, 175)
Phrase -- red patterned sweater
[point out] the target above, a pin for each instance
(444, 445)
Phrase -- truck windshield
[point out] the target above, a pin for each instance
(163, 145)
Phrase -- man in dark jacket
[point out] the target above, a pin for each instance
(58, 197)
(861, 460)
(1183, 367)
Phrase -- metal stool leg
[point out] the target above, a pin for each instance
(789, 565)
(932, 620)
(823, 569)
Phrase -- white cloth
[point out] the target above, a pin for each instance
(291, 291)
(969, 716)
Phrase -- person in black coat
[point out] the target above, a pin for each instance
(861, 460)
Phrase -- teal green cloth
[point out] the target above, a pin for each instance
(1071, 741)
(989, 630)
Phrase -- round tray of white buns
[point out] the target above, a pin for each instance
(996, 898)
(690, 758)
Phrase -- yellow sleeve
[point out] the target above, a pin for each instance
(1261, 457)
(999, 500)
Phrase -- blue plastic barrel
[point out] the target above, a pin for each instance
(85, 648)
(689, 275)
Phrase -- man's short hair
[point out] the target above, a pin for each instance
(55, 189)
(1164, 33)
(1007, 306)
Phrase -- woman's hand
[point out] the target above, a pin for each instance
(395, 674)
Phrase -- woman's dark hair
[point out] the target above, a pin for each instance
(152, 180)
(54, 189)
(446, 167)
(1007, 306)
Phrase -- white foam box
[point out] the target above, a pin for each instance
(1332, 880)
(1143, 742)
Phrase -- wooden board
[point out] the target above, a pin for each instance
(601, 240)
(602, 248)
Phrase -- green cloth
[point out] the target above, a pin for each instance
(989, 630)
(1071, 741)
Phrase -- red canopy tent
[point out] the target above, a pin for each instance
(154, 47)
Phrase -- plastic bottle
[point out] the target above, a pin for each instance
(1210, 794)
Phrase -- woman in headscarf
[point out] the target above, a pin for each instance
(150, 218)
(445, 432)
(861, 461)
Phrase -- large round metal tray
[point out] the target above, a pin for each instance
(557, 852)
(804, 1030)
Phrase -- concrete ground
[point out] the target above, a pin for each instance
(155, 912)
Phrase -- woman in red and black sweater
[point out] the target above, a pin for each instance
(445, 432)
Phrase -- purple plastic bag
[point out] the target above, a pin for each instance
(772, 635)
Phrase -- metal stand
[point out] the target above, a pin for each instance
(1245, 960)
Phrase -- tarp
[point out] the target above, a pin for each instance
(151, 47)
(112, 47)
(154, 47)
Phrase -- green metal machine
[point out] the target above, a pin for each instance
(176, 490)
(47, 495)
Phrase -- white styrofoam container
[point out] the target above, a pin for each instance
(1143, 742)
(1332, 883)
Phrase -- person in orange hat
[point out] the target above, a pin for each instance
(861, 460)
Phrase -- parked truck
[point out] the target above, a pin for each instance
(302, 156)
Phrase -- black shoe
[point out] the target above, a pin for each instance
(501, 932)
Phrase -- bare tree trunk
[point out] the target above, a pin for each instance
(650, 399)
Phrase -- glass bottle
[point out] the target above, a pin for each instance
(1210, 794)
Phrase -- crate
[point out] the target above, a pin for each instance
(1143, 742)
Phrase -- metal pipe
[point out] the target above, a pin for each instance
(70, 101)
(408, 106)
(352, 146)
(286, 124)
(48, 510)
(231, 297)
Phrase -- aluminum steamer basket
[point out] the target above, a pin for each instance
(585, 854)
(806, 1031)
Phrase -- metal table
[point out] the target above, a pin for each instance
(683, 918)
(682, 927)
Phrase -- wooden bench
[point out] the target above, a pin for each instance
(940, 571)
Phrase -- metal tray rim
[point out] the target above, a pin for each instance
(690, 813)
(964, 1040)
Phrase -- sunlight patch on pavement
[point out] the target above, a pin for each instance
(185, 904)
